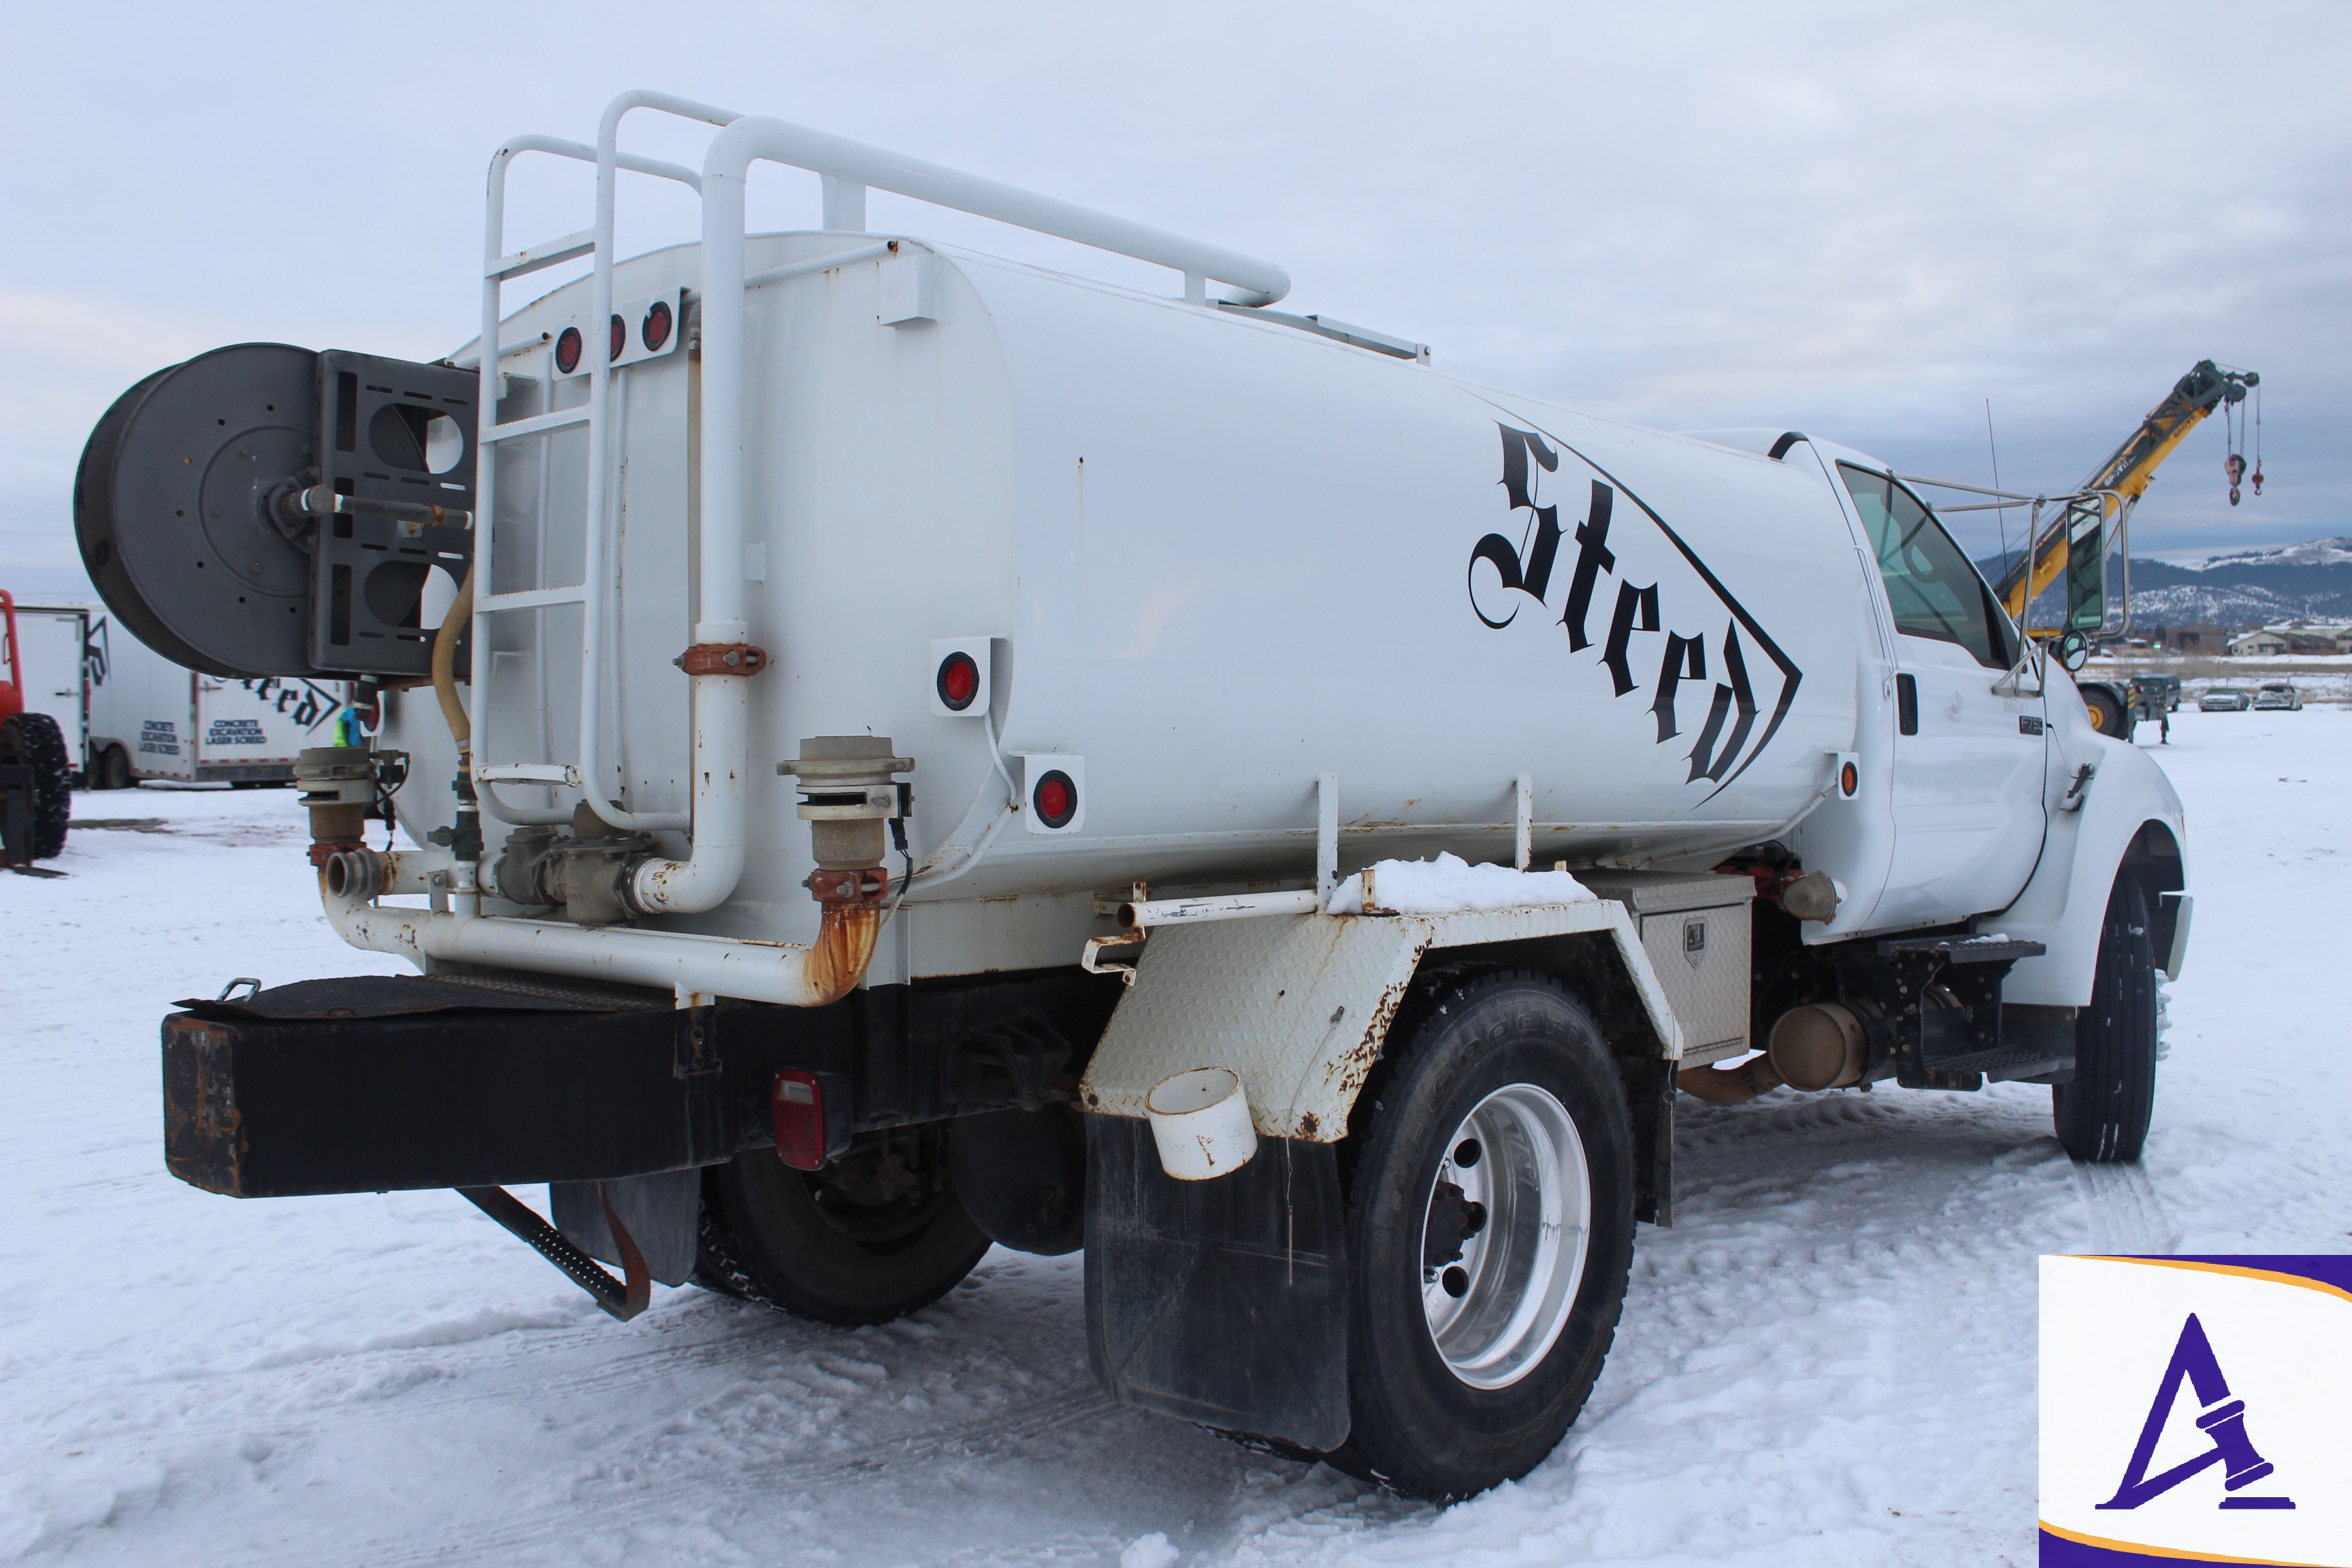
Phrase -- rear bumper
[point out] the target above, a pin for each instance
(463, 1096)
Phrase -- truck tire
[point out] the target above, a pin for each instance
(35, 738)
(2109, 715)
(804, 1243)
(2103, 1115)
(114, 769)
(1493, 1162)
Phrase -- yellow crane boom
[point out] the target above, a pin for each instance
(2123, 479)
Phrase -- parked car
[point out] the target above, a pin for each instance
(2225, 699)
(2279, 694)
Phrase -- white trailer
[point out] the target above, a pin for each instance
(152, 718)
(1056, 830)
(52, 639)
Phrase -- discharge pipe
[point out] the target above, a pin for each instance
(782, 973)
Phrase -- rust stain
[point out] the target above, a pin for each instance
(203, 1133)
(845, 939)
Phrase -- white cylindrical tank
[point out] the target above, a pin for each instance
(1219, 557)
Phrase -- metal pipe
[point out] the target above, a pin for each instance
(748, 140)
(1145, 914)
(821, 263)
(781, 973)
(302, 506)
(1730, 1086)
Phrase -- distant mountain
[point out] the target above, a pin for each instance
(2311, 581)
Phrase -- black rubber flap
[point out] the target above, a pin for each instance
(1224, 1302)
(397, 996)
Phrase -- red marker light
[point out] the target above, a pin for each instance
(800, 1120)
(620, 338)
(567, 351)
(958, 681)
(656, 330)
(1055, 799)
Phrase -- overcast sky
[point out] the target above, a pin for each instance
(1861, 221)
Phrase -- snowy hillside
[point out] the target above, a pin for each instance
(2312, 581)
(1829, 1359)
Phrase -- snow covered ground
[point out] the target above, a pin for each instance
(1830, 1358)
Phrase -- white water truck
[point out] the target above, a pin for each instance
(911, 750)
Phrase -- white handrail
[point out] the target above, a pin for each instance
(763, 139)
(600, 395)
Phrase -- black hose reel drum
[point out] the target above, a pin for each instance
(264, 510)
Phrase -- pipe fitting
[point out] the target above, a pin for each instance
(847, 797)
(357, 873)
(338, 785)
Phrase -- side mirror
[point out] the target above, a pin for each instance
(2087, 566)
(2072, 650)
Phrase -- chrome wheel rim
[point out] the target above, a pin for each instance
(1508, 1219)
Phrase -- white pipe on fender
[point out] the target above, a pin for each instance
(1223, 906)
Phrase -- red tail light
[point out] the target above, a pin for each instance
(656, 330)
(1055, 799)
(800, 1120)
(567, 351)
(958, 681)
(620, 338)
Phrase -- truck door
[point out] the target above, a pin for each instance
(1969, 750)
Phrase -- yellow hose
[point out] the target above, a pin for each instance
(444, 663)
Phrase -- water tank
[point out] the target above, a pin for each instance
(1208, 558)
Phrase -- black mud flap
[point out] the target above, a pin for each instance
(1224, 1302)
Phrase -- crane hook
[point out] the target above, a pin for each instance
(2235, 467)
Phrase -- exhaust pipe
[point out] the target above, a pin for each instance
(1822, 1044)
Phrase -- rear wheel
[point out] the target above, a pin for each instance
(872, 1236)
(114, 769)
(1490, 1213)
(35, 740)
(2103, 1115)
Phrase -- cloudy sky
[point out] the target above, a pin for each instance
(1864, 221)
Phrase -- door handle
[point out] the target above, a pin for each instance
(1907, 704)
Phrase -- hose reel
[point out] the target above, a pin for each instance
(266, 509)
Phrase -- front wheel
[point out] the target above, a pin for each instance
(2103, 1115)
(114, 769)
(1490, 1213)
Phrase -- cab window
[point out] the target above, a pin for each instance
(1931, 587)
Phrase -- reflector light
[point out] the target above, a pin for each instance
(958, 681)
(620, 338)
(656, 325)
(1055, 799)
(1848, 778)
(800, 1120)
(567, 349)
